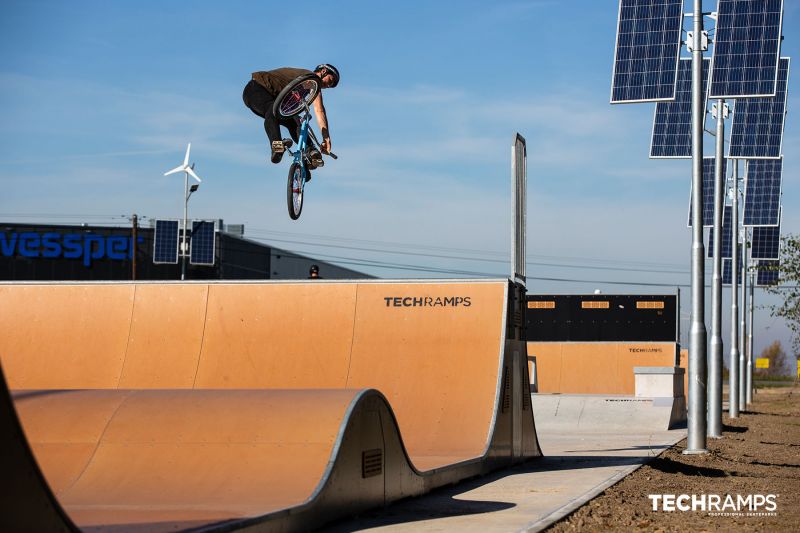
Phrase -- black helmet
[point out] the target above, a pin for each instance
(331, 70)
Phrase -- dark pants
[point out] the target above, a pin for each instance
(260, 101)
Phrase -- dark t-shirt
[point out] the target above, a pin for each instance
(275, 80)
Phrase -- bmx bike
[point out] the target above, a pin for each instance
(293, 102)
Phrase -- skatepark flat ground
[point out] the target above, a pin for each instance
(577, 465)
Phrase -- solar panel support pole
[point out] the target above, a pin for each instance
(696, 441)
(750, 342)
(743, 324)
(716, 347)
(733, 371)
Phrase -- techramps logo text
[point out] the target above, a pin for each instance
(717, 505)
(427, 301)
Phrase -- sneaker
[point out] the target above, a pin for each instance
(278, 147)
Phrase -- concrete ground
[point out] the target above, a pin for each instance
(578, 465)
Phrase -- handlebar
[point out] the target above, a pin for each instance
(313, 137)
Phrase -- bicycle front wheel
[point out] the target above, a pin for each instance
(296, 96)
(294, 191)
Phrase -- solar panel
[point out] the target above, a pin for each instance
(647, 49)
(201, 249)
(726, 268)
(725, 245)
(766, 242)
(762, 195)
(768, 273)
(672, 124)
(757, 129)
(746, 48)
(709, 164)
(165, 242)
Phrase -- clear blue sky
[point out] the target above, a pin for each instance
(98, 99)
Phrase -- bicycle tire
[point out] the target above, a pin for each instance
(294, 191)
(300, 92)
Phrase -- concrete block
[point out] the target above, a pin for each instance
(659, 381)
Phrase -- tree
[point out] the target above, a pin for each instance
(777, 359)
(788, 287)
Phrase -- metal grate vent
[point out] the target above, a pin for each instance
(526, 400)
(371, 463)
(506, 390)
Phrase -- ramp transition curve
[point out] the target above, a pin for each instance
(276, 406)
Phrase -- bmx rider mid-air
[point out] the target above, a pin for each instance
(260, 94)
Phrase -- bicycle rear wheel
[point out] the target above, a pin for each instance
(294, 191)
(296, 96)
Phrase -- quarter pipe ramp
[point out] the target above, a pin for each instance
(276, 406)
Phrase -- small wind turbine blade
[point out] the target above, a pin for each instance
(186, 159)
(192, 174)
(175, 170)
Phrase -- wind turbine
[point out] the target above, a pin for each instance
(185, 167)
(188, 170)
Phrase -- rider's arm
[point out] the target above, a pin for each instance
(322, 120)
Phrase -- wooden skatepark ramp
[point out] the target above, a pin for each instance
(267, 405)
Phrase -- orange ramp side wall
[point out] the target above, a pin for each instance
(445, 355)
(64, 336)
(166, 334)
(595, 367)
(278, 336)
(145, 336)
(138, 348)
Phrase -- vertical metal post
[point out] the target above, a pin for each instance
(134, 245)
(185, 217)
(733, 370)
(715, 351)
(743, 325)
(678, 319)
(519, 176)
(750, 343)
(696, 441)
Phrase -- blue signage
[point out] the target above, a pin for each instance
(86, 246)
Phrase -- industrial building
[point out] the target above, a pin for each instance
(46, 252)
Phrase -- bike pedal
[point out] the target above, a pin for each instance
(278, 147)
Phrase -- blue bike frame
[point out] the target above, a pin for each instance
(303, 140)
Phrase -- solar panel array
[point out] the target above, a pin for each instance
(727, 277)
(746, 48)
(165, 242)
(202, 244)
(672, 125)
(709, 164)
(646, 55)
(757, 129)
(766, 242)
(725, 245)
(768, 273)
(762, 197)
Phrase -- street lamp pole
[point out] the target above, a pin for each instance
(185, 219)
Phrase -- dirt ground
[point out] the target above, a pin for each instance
(759, 455)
